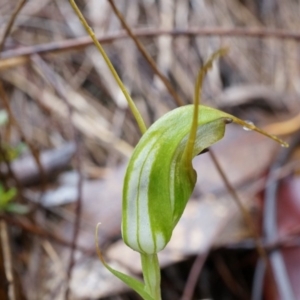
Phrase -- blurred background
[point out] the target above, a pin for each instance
(66, 135)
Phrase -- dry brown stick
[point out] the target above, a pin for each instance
(38, 231)
(148, 58)
(246, 215)
(193, 276)
(20, 56)
(11, 23)
(52, 79)
(8, 264)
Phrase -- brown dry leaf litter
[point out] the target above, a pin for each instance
(60, 91)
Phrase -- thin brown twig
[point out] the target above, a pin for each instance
(14, 121)
(147, 57)
(11, 23)
(246, 215)
(38, 231)
(193, 276)
(8, 262)
(12, 58)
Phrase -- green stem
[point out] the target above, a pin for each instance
(130, 102)
(188, 153)
(151, 273)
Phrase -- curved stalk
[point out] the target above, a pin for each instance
(130, 102)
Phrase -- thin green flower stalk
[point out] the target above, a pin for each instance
(160, 177)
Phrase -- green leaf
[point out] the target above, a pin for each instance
(20, 148)
(5, 202)
(16, 208)
(10, 153)
(135, 284)
(6, 196)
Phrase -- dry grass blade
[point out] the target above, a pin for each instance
(84, 119)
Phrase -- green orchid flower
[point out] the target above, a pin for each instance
(160, 177)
